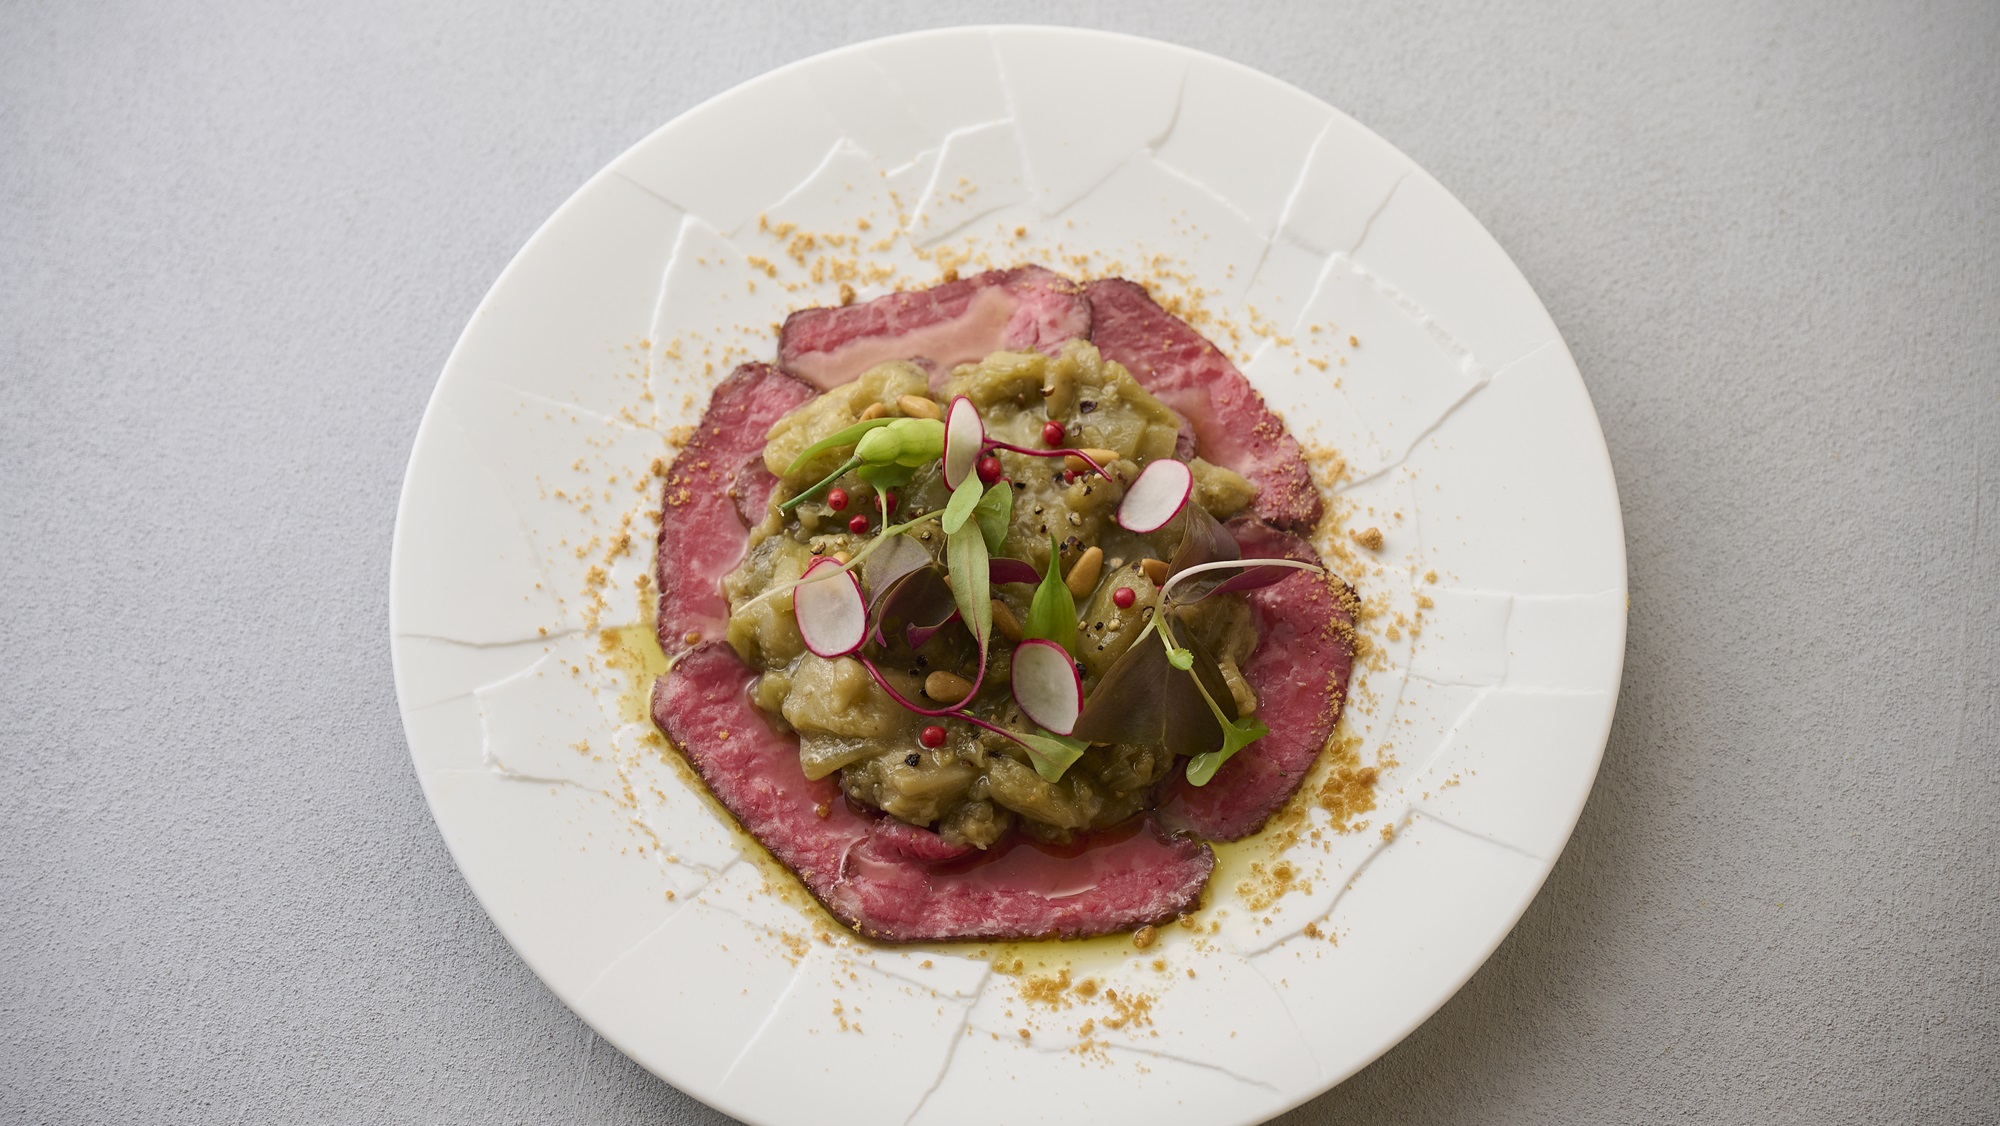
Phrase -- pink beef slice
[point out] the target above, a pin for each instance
(1300, 675)
(1232, 425)
(1026, 308)
(715, 490)
(895, 882)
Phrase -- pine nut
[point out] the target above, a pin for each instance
(946, 687)
(1005, 621)
(916, 406)
(1083, 575)
(1076, 464)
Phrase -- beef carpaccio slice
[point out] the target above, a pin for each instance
(715, 489)
(1300, 675)
(1183, 370)
(897, 883)
(901, 883)
(1024, 309)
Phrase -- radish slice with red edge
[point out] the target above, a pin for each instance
(832, 618)
(1156, 497)
(964, 438)
(1047, 686)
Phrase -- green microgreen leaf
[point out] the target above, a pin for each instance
(1182, 659)
(1236, 735)
(844, 437)
(1238, 732)
(963, 500)
(1052, 614)
(994, 512)
(1050, 753)
(971, 585)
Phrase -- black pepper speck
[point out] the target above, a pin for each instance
(912, 759)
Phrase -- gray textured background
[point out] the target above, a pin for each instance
(236, 245)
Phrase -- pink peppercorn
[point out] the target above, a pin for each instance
(1124, 597)
(858, 525)
(990, 469)
(933, 736)
(1052, 433)
(836, 499)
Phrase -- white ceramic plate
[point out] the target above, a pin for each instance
(1371, 309)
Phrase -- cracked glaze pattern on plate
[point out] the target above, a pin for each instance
(1385, 323)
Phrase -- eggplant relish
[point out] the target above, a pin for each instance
(1006, 601)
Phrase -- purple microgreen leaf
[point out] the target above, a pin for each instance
(1250, 575)
(894, 558)
(919, 600)
(1005, 570)
(917, 635)
(1143, 698)
(1203, 540)
(1258, 577)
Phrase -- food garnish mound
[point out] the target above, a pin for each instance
(989, 603)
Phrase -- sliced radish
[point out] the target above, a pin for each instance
(832, 618)
(964, 438)
(1156, 497)
(1047, 686)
